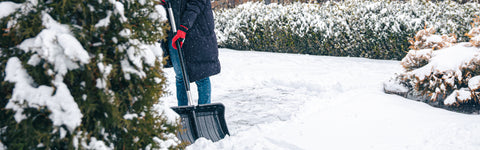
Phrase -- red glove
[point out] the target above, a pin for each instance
(180, 35)
(162, 2)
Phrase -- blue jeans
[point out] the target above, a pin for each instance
(203, 85)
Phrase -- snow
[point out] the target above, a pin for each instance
(384, 18)
(119, 9)
(129, 116)
(34, 60)
(476, 38)
(8, 8)
(142, 53)
(474, 83)
(414, 57)
(105, 21)
(434, 39)
(2, 147)
(81, 138)
(57, 45)
(105, 71)
(291, 101)
(274, 101)
(421, 53)
(164, 109)
(458, 96)
(167, 143)
(393, 85)
(439, 71)
(96, 144)
(464, 95)
(64, 110)
(125, 33)
(448, 60)
(161, 14)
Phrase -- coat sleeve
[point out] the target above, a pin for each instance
(193, 8)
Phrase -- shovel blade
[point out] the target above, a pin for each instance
(206, 121)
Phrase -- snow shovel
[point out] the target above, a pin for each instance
(206, 120)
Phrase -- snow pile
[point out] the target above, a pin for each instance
(304, 102)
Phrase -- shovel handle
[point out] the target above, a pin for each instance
(186, 81)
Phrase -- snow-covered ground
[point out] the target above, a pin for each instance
(289, 101)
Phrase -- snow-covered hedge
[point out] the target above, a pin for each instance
(448, 77)
(372, 29)
(82, 75)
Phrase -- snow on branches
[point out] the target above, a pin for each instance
(427, 38)
(359, 28)
(474, 34)
(440, 72)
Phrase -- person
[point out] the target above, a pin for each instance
(195, 27)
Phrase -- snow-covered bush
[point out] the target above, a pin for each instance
(372, 29)
(427, 38)
(82, 75)
(428, 41)
(416, 59)
(446, 77)
(474, 34)
(445, 80)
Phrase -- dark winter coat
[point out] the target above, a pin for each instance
(200, 46)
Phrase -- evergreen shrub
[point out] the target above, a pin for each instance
(83, 75)
(358, 28)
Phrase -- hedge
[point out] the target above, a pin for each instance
(359, 28)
